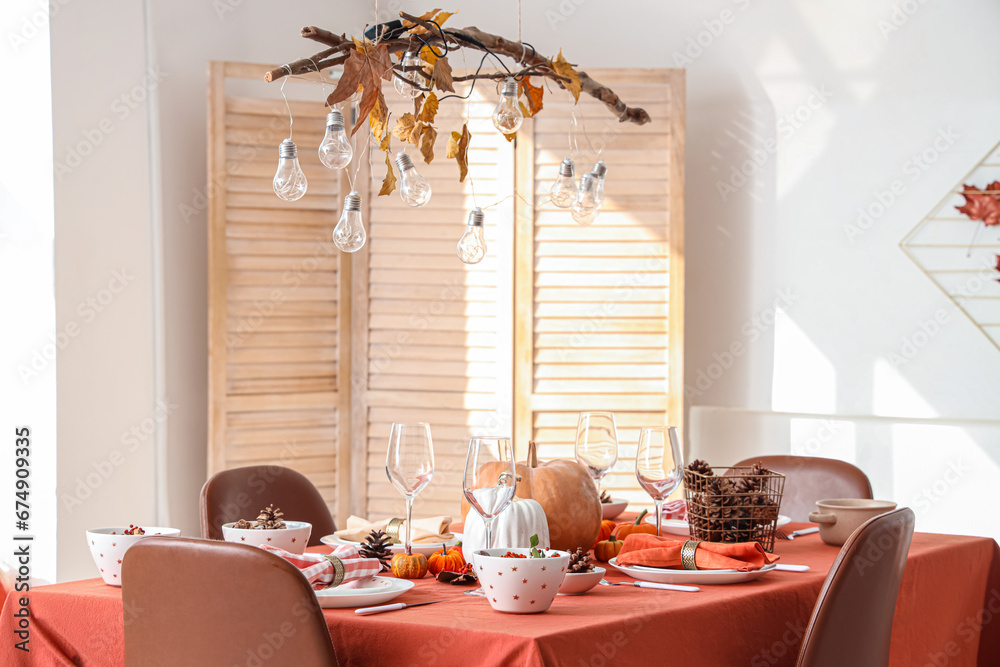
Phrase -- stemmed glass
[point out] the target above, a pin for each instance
(409, 463)
(490, 481)
(597, 444)
(659, 465)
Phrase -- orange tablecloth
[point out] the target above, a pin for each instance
(948, 614)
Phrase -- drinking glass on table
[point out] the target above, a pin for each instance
(490, 481)
(659, 465)
(597, 444)
(409, 464)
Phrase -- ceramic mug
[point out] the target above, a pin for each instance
(838, 518)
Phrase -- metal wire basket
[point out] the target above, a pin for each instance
(732, 505)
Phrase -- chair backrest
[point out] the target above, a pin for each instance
(851, 623)
(811, 478)
(199, 602)
(240, 493)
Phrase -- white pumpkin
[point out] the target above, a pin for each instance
(512, 529)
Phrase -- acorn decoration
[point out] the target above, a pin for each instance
(376, 545)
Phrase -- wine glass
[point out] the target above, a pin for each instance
(597, 444)
(490, 481)
(409, 464)
(659, 464)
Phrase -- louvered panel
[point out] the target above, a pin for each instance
(438, 330)
(277, 286)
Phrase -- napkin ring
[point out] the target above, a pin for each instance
(392, 530)
(338, 570)
(687, 554)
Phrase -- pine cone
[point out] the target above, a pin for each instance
(579, 561)
(270, 518)
(605, 497)
(697, 481)
(376, 545)
(243, 524)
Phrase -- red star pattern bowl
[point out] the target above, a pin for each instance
(108, 546)
(292, 538)
(520, 585)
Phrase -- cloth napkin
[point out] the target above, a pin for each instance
(652, 551)
(425, 531)
(323, 571)
(675, 509)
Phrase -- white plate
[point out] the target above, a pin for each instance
(381, 590)
(690, 577)
(680, 527)
(614, 508)
(425, 549)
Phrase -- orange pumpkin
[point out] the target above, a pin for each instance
(567, 494)
(607, 549)
(409, 566)
(625, 529)
(446, 560)
(607, 527)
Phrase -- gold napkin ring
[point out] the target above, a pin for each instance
(687, 554)
(392, 530)
(338, 570)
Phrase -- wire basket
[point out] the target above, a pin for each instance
(731, 505)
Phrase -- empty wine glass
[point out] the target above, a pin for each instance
(409, 464)
(659, 464)
(597, 444)
(490, 481)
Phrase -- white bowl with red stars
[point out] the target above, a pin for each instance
(108, 546)
(293, 538)
(520, 585)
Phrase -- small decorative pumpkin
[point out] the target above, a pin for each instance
(567, 494)
(625, 529)
(512, 529)
(446, 560)
(607, 549)
(409, 565)
(607, 527)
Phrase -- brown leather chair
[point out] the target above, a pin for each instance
(811, 478)
(240, 493)
(851, 623)
(199, 602)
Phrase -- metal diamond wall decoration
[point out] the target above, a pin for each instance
(960, 255)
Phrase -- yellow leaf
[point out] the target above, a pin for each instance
(384, 146)
(389, 182)
(429, 110)
(532, 95)
(444, 16)
(452, 149)
(458, 148)
(378, 119)
(435, 15)
(417, 101)
(427, 143)
(563, 68)
(428, 55)
(510, 137)
(404, 127)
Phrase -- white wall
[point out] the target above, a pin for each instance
(779, 235)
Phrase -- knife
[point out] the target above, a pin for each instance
(649, 584)
(390, 607)
(804, 531)
(791, 568)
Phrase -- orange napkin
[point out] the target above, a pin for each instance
(653, 551)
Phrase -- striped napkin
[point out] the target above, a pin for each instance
(342, 566)
(675, 509)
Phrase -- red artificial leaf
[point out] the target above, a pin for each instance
(982, 204)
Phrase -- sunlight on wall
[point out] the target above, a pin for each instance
(894, 397)
(829, 438)
(804, 379)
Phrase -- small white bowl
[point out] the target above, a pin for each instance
(293, 538)
(614, 508)
(578, 583)
(520, 585)
(108, 547)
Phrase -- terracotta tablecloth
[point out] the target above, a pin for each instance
(948, 614)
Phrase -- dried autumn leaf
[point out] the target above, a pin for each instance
(389, 182)
(981, 204)
(532, 95)
(378, 118)
(417, 101)
(435, 15)
(563, 68)
(510, 137)
(349, 80)
(376, 67)
(426, 16)
(429, 110)
(386, 140)
(442, 75)
(428, 55)
(458, 148)
(405, 125)
(452, 149)
(427, 143)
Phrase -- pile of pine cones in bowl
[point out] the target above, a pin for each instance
(739, 504)
(270, 528)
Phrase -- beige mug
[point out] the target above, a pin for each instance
(838, 518)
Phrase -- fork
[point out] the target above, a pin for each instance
(782, 535)
(648, 584)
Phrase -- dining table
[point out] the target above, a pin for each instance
(948, 613)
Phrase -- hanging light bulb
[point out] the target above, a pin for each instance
(599, 170)
(335, 151)
(585, 206)
(507, 116)
(414, 189)
(349, 234)
(472, 246)
(410, 59)
(289, 181)
(563, 190)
